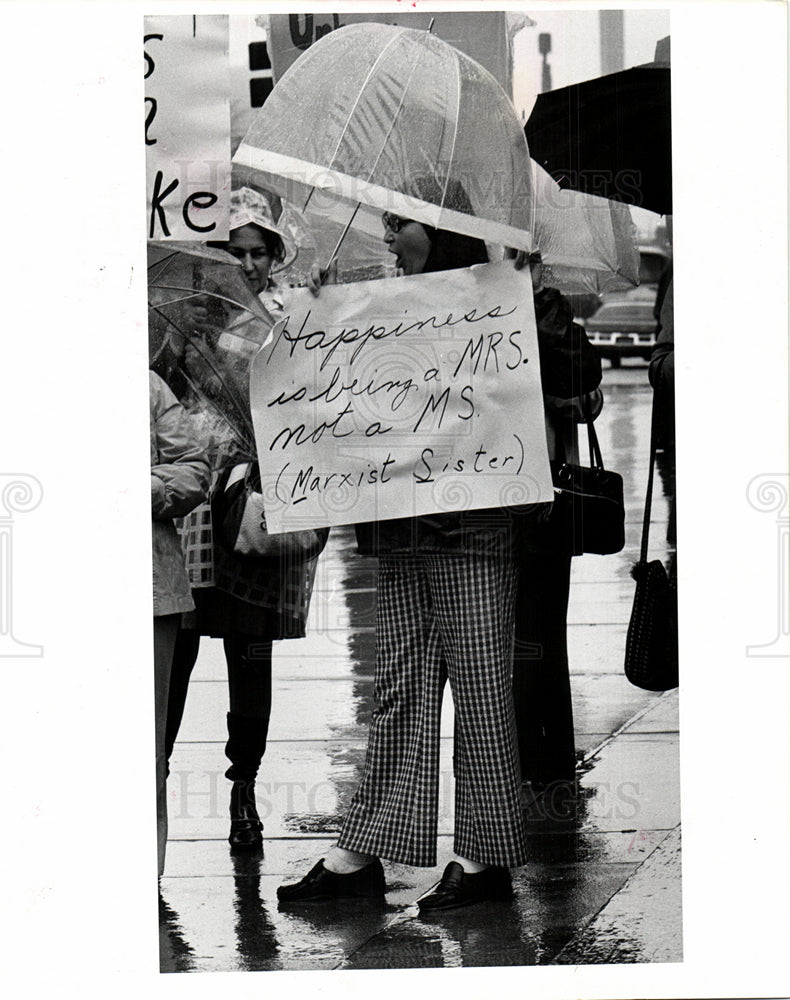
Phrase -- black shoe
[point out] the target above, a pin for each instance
(459, 888)
(246, 829)
(320, 883)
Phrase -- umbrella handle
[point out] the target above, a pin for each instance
(333, 256)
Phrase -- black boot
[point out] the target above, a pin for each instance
(245, 748)
(246, 829)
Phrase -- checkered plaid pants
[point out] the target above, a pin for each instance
(441, 615)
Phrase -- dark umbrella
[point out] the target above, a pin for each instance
(610, 137)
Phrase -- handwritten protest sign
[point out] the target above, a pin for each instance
(401, 397)
(187, 126)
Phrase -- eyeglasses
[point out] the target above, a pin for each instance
(394, 222)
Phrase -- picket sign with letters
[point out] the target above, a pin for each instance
(187, 126)
(401, 397)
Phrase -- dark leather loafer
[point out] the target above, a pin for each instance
(319, 883)
(458, 888)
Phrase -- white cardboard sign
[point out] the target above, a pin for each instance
(401, 397)
(187, 126)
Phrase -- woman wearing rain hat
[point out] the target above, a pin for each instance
(259, 243)
(242, 601)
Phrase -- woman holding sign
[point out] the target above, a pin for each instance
(244, 601)
(446, 593)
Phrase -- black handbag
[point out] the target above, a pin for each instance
(588, 514)
(651, 645)
(239, 523)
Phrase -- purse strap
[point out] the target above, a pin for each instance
(596, 461)
(252, 477)
(649, 494)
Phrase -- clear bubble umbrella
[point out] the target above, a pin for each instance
(587, 243)
(205, 325)
(376, 118)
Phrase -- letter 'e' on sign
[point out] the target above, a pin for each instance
(401, 397)
(187, 126)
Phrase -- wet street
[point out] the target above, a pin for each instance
(603, 881)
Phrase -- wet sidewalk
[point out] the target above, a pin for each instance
(603, 881)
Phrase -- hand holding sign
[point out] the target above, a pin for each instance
(386, 399)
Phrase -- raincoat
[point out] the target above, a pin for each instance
(179, 482)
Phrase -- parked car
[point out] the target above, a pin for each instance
(625, 324)
(583, 304)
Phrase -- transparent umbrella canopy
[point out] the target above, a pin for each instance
(587, 243)
(376, 118)
(205, 325)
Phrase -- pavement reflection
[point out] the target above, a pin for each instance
(257, 944)
(609, 840)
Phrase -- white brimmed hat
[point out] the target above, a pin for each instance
(250, 206)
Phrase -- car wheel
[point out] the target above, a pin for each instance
(615, 362)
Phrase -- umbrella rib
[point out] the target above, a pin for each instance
(164, 261)
(198, 292)
(455, 133)
(190, 340)
(365, 82)
(394, 119)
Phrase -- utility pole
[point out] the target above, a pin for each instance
(544, 47)
(612, 41)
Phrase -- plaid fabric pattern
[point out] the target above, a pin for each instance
(439, 616)
(283, 590)
(197, 541)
